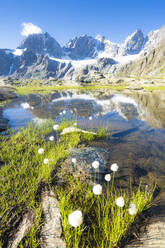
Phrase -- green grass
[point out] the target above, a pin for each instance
(47, 89)
(22, 168)
(104, 223)
(151, 88)
(23, 172)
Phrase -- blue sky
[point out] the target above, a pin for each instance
(64, 19)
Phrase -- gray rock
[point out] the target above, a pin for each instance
(85, 157)
(22, 230)
(105, 64)
(153, 237)
(52, 229)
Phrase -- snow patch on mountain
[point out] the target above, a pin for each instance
(76, 63)
(18, 52)
(127, 59)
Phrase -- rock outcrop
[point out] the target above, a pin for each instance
(23, 228)
(52, 229)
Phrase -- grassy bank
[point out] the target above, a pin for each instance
(23, 171)
(152, 88)
(48, 89)
(23, 168)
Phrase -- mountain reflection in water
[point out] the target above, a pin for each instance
(137, 122)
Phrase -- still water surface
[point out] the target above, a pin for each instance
(137, 122)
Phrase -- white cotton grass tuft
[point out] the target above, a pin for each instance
(51, 138)
(56, 127)
(60, 113)
(120, 202)
(64, 111)
(107, 177)
(97, 189)
(95, 164)
(114, 167)
(41, 151)
(75, 218)
(75, 124)
(74, 160)
(132, 209)
(90, 118)
(46, 161)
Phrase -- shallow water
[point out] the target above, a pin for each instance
(137, 122)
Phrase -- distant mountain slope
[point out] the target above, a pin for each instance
(152, 58)
(41, 56)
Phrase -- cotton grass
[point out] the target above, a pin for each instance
(40, 150)
(95, 164)
(97, 189)
(75, 218)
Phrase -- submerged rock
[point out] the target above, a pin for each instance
(153, 237)
(52, 229)
(6, 94)
(3, 122)
(83, 166)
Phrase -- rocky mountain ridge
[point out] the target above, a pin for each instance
(41, 56)
(151, 61)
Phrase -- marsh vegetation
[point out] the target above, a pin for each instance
(29, 161)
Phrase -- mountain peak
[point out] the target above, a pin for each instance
(42, 44)
(133, 43)
(100, 38)
(81, 47)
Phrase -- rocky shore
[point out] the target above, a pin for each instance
(6, 93)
